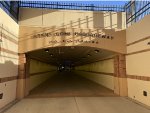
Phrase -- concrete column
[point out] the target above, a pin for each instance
(116, 72)
(27, 76)
(23, 76)
(120, 78)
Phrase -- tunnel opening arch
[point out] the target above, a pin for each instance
(85, 60)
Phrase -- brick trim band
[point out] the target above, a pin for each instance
(8, 51)
(6, 79)
(144, 78)
(111, 74)
(140, 40)
(3, 28)
(136, 77)
(9, 38)
(137, 52)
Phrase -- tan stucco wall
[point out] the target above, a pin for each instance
(9, 91)
(138, 63)
(138, 30)
(28, 43)
(71, 18)
(136, 88)
(106, 66)
(8, 61)
(35, 21)
(36, 67)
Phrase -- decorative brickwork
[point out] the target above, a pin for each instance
(120, 80)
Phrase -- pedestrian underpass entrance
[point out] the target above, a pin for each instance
(85, 45)
(83, 51)
(72, 71)
(66, 81)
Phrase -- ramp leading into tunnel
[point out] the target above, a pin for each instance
(68, 84)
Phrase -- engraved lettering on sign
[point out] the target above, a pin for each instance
(77, 34)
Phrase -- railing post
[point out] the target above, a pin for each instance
(92, 7)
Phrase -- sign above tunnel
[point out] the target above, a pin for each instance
(81, 34)
(34, 38)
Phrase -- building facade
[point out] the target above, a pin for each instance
(122, 36)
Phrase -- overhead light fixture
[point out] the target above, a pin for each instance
(47, 50)
(51, 55)
(96, 51)
(88, 55)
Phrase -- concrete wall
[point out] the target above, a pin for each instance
(40, 72)
(71, 18)
(100, 72)
(27, 41)
(138, 60)
(8, 58)
(34, 21)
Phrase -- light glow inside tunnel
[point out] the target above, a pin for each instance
(71, 55)
(66, 80)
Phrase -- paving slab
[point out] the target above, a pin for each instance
(45, 105)
(77, 105)
(108, 105)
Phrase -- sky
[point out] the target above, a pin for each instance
(96, 2)
(100, 2)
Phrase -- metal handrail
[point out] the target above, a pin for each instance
(131, 16)
(70, 6)
(9, 10)
(135, 12)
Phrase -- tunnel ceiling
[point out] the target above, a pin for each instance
(74, 55)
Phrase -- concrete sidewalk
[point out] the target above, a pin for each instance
(77, 105)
